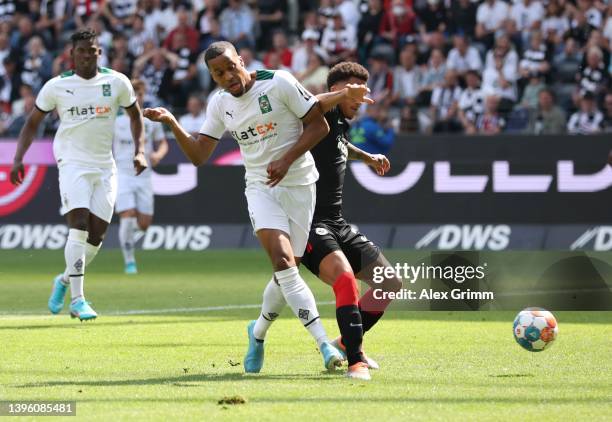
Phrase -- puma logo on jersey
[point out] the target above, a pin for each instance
(69, 91)
(229, 114)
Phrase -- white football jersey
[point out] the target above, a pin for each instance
(87, 109)
(265, 121)
(123, 142)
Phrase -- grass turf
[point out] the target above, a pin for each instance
(175, 364)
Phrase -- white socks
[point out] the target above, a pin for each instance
(90, 253)
(74, 252)
(127, 229)
(302, 302)
(273, 304)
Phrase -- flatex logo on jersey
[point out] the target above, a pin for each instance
(85, 113)
(467, 237)
(254, 135)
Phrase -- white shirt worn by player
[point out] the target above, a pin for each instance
(123, 143)
(87, 110)
(265, 121)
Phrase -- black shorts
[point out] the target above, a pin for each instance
(327, 236)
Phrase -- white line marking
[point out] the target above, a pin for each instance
(17, 315)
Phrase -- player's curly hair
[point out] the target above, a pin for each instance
(216, 49)
(345, 71)
(83, 34)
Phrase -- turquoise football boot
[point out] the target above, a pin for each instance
(82, 310)
(253, 361)
(58, 292)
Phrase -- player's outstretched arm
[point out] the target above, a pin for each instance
(356, 92)
(378, 162)
(26, 136)
(137, 127)
(197, 150)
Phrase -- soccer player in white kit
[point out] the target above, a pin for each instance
(276, 122)
(87, 100)
(135, 193)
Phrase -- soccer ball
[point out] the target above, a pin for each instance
(535, 329)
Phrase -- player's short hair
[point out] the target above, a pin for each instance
(345, 71)
(87, 34)
(216, 49)
(138, 84)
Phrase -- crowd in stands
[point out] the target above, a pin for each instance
(436, 66)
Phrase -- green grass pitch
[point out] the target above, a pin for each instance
(159, 350)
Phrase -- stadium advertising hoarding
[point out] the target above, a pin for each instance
(442, 193)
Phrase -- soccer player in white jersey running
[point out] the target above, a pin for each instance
(276, 122)
(87, 100)
(135, 195)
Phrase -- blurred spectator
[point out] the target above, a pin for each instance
(503, 49)
(18, 105)
(591, 12)
(238, 24)
(14, 125)
(299, 59)
(85, 11)
(154, 68)
(119, 13)
(121, 52)
(409, 120)
(5, 47)
(496, 82)
(275, 62)
(608, 113)
(214, 35)
(10, 80)
(433, 75)
(570, 57)
(525, 16)
(170, 14)
(269, 15)
(21, 37)
(381, 78)
(138, 36)
(490, 18)
(37, 64)
(105, 39)
(367, 32)
(63, 61)
(531, 92)
(397, 22)
(594, 77)
(546, 118)
(53, 15)
(193, 120)
(462, 18)
(471, 102)
(555, 23)
(185, 30)
(250, 62)
(579, 28)
(208, 14)
(433, 19)
(406, 79)
(184, 76)
(588, 119)
(463, 56)
(490, 122)
(607, 29)
(445, 104)
(349, 12)
(7, 11)
(339, 40)
(153, 18)
(314, 78)
(373, 132)
(280, 46)
(535, 60)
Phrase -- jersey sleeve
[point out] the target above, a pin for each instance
(293, 94)
(127, 96)
(213, 125)
(45, 101)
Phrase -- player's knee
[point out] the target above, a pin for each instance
(79, 224)
(95, 238)
(144, 225)
(281, 261)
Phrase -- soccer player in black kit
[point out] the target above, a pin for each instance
(336, 253)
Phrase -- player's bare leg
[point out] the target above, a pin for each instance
(296, 293)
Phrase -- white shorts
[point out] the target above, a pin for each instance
(91, 188)
(135, 192)
(286, 208)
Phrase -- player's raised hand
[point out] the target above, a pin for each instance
(359, 93)
(17, 173)
(158, 114)
(140, 163)
(277, 169)
(379, 163)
